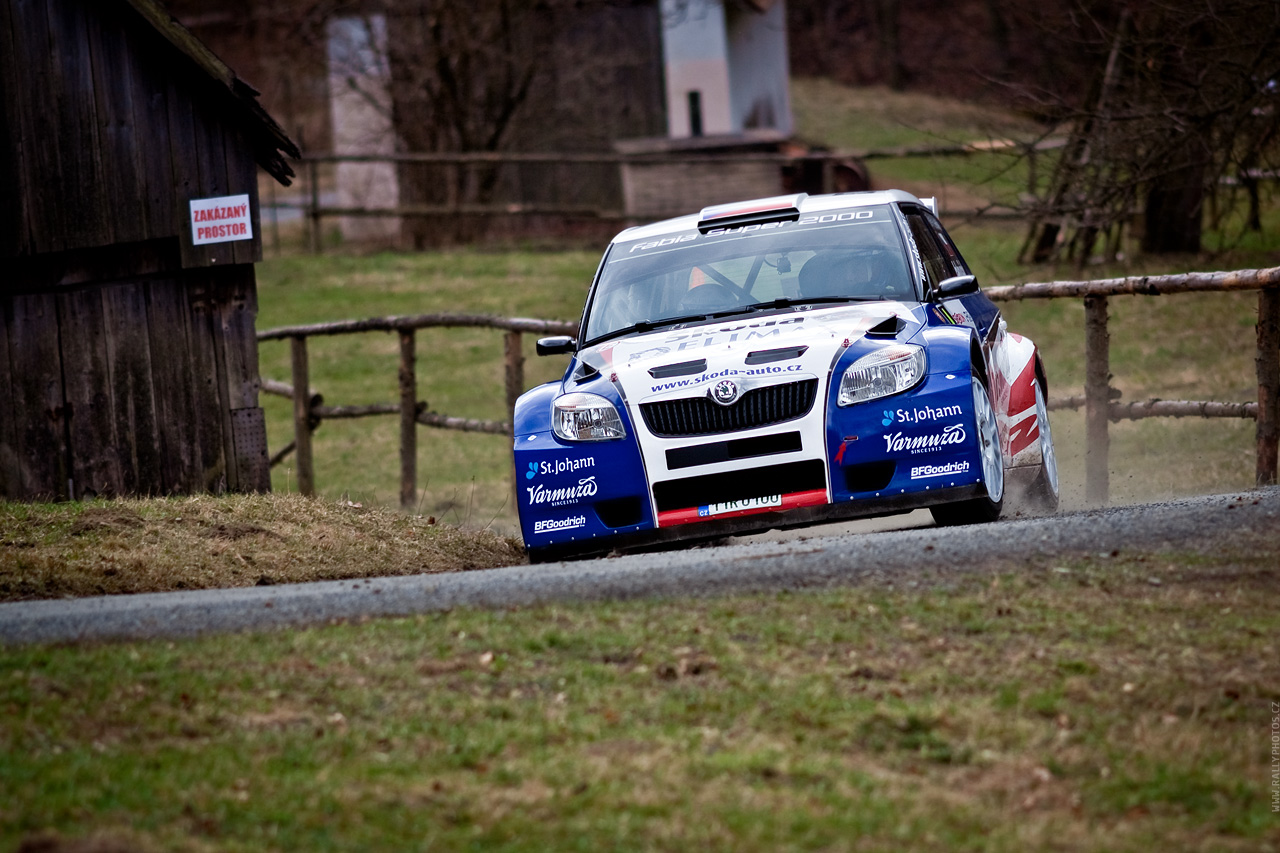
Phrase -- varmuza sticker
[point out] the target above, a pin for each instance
(943, 439)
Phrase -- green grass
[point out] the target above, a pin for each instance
(1072, 706)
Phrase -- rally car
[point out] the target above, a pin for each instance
(776, 363)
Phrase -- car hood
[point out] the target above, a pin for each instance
(750, 352)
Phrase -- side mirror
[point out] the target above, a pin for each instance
(558, 345)
(958, 285)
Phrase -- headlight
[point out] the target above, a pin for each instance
(881, 373)
(585, 417)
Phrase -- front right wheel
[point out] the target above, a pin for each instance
(989, 507)
(1043, 494)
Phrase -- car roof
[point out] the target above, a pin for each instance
(802, 203)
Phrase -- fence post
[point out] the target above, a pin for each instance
(408, 423)
(513, 359)
(1268, 366)
(1097, 399)
(302, 415)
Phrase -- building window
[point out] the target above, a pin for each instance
(695, 113)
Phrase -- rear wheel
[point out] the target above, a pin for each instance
(986, 508)
(1043, 494)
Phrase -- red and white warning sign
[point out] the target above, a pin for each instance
(220, 220)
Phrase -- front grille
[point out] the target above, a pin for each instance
(758, 407)
(784, 479)
(737, 448)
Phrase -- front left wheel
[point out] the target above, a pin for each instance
(989, 507)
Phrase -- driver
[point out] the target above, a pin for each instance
(705, 294)
(855, 274)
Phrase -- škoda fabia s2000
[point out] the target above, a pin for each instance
(775, 363)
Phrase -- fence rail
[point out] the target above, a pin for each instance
(309, 409)
(314, 210)
(1100, 400)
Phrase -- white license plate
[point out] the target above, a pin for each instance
(739, 506)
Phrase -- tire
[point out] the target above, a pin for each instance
(986, 508)
(1043, 494)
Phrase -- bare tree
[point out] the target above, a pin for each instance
(512, 75)
(1185, 97)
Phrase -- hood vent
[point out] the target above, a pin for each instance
(584, 372)
(888, 328)
(764, 356)
(684, 368)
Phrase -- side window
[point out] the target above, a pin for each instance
(936, 265)
(949, 250)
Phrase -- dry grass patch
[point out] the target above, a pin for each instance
(159, 545)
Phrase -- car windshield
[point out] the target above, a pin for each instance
(835, 256)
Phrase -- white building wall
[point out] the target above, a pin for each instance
(759, 68)
(696, 54)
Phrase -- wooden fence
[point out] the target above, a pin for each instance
(314, 210)
(1099, 399)
(309, 409)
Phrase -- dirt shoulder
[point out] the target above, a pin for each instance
(73, 550)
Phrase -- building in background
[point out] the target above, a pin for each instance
(506, 76)
(726, 72)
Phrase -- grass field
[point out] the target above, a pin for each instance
(1117, 702)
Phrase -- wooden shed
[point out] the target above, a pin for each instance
(128, 357)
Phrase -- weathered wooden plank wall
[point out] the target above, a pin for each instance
(128, 358)
(10, 450)
(116, 76)
(89, 222)
(44, 230)
(173, 386)
(35, 372)
(209, 414)
(13, 213)
(122, 134)
(94, 463)
(133, 388)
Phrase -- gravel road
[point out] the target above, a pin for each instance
(919, 556)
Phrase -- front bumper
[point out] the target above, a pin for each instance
(900, 453)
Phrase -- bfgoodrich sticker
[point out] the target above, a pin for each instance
(924, 472)
(551, 525)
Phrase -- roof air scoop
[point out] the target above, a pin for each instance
(782, 208)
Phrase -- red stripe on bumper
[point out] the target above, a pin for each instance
(670, 518)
